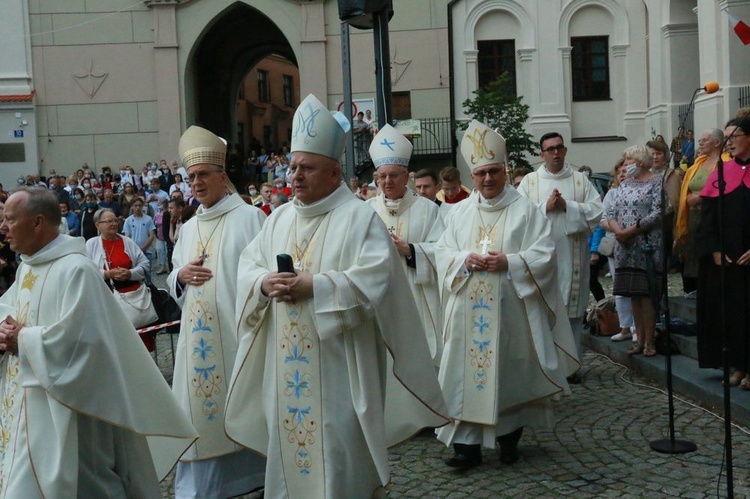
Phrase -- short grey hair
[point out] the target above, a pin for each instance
(640, 154)
(100, 212)
(44, 202)
(715, 134)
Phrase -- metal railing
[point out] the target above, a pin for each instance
(685, 115)
(744, 96)
(435, 139)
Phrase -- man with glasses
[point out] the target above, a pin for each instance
(571, 202)
(204, 283)
(414, 224)
(505, 355)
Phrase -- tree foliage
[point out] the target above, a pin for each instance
(497, 107)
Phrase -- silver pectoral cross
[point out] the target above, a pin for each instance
(485, 243)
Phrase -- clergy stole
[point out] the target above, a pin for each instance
(10, 369)
(298, 371)
(483, 323)
(205, 366)
(579, 193)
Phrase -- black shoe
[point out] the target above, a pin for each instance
(465, 457)
(508, 444)
(575, 378)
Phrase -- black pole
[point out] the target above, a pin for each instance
(723, 325)
(670, 445)
(346, 67)
(382, 67)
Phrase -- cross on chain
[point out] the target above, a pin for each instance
(485, 243)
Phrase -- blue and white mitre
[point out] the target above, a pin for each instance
(482, 146)
(389, 147)
(318, 130)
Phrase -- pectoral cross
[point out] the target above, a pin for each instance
(485, 243)
(298, 265)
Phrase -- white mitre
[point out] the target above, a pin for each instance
(482, 146)
(389, 147)
(318, 130)
(199, 146)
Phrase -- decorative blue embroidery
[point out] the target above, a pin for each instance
(203, 349)
(201, 327)
(298, 384)
(205, 372)
(296, 356)
(481, 324)
(481, 304)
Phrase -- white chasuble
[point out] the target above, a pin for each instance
(300, 404)
(570, 228)
(505, 349)
(309, 386)
(75, 418)
(417, 221)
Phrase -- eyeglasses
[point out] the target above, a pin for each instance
(731, 138)
(557, 148)
(491, 172)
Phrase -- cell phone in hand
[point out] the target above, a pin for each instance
(284, 263)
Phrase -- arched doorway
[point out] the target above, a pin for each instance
(238, 39)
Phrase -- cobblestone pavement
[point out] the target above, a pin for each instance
(599, 446)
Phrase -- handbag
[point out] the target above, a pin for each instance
(607, 246)
(136, 304)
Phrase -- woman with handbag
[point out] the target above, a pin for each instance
(635, 218)
(124, 268)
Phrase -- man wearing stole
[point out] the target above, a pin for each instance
(85, 411)
(414, 223)
(574, 207)
(308, 388)
(204, 282)
(508, 344)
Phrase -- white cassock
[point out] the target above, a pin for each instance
(506, 351)
(214, 466)
(417, 221)
(85, 411)
(570, 230)
(308, 389)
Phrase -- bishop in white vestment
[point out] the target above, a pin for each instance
(204, 282)
(85, 411)
(574, 207)
(414, 223)
(308, 388)
(508, 344)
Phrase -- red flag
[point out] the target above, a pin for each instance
(742, 29)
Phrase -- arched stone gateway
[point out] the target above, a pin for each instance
(239, 39)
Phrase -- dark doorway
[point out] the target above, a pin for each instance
(238, 39)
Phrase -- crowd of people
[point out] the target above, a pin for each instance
(323, 322)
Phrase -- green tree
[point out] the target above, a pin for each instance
(495, 106)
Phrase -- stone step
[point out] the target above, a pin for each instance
(682, 307)
(701, 385)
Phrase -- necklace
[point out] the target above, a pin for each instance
(301, 253)
(108, 254)
(204, 246)
(486, 241)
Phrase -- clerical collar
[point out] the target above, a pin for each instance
(493, 201)
(215, 207)
(391, 203)
(338, 197)
(565, 171)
